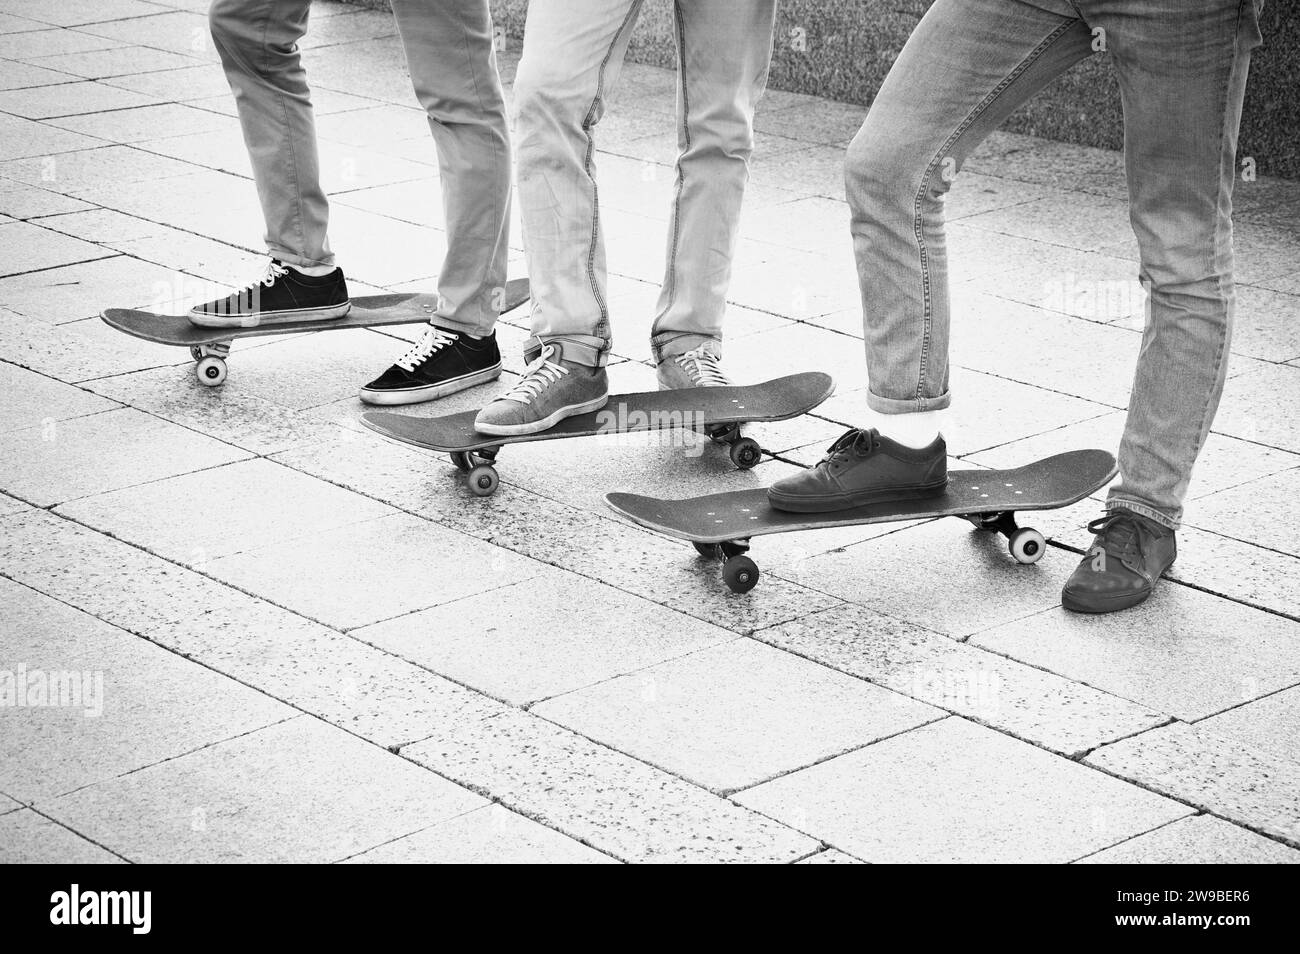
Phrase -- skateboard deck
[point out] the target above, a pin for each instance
(716, 411)
(211, 346)
(722, 524)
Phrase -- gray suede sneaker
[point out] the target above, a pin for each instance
(550, 390)
(694, 369)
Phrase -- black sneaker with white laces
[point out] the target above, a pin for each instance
(280, 296)
(442, 362)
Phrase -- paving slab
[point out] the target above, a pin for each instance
(143, 123)
(614, 803)
(230, 413)
(957, 581)
(375, 570)
(7, 805)
(179, 31)
(1182, 652)
(99, 702)
(36, 399)
(1065, 716)
(592, 545)
(15, 75)
(186, 84)
(1199, 840)
(74, 292)
(120, 60)
(1213, 773)
(492, 835)
(30, 248)
(71, 99)
(831, 856)
(1270, 725)
(1240, 571)
(549, 635)
(255, 503)
(300, 792)
(1075, 220)
(67, 13)
(954, 792)
(1264, 511)
(370, 693)
(29, 838)
(77, 351)
(95, 167)
(16, 24)
(735, 715)
(48, 464)
(21, 201)
(35, 45)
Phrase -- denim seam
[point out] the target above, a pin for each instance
(498, 206)
(602, 326)
(974, 114)
(1213, 252)
(288, 142)
(671, 270)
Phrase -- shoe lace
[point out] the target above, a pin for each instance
(854, 441)
(433, 339)
(1119, 534)
(702, 366)
(273, 271)
(538, 376)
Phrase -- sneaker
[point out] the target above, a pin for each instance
(440, 363)
(864, 467)
(280, 296)
(694, 369)
(1120, 569)
(550, 390)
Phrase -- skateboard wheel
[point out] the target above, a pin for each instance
(210, 371)
(710, 551)
(745, 453)
(462, 461)
(740, 573)
(483, 480)
(1027, 545)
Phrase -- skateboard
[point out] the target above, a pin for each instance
(718, 412)
(210, 347)
(721, 525)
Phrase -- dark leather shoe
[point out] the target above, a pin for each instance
(864, 467)
(1121, 567)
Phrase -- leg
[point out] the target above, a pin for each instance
(968, 65)
(1182, 77)
(258, 44)
(723, 52)
(449, 52)
(573, 53)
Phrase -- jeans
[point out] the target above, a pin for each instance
(573, 54)
(969, 64)
(452, 62)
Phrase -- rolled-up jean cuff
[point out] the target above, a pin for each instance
(672, 343)
(290, 258)
(884, 405)
(581, 349)
(1117, 503)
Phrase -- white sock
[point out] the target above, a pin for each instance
(315, 271)
(913, 429)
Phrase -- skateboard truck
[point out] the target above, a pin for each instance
(1026, 544)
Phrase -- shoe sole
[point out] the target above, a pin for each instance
(852, 501)
(331, 313)
(1102, 605)
(534, 427)
(430, 392)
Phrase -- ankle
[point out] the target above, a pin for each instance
(915, 429)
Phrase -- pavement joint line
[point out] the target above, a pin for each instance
(1140, 834)
(1199, 808)
(1077, 756)
(50, 268)
(730, 793)
(1238, 705)
(81, 835)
